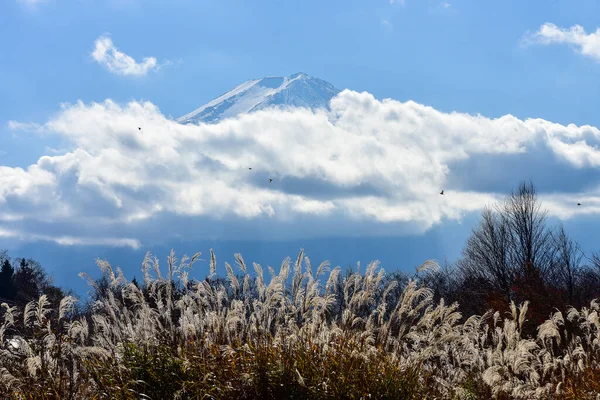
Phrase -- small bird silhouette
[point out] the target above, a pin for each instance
(442, 192)
(249, 168)
(139, 128)
(578, 204)
(270, 180)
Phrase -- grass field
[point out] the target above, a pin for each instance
(296, 333)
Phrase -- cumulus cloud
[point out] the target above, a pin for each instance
(586, 44)
(367, 167)
(106, 54)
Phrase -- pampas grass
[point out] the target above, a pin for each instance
(295, 333)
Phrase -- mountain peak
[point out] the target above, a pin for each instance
(299, 75)
(296, 90)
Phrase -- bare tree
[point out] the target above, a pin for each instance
(567, 268)
(531, 242)
(486, 253)
(511, 241)
(588, 284)
(595, 260)
(589, 281)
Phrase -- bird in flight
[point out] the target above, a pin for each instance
(270, 180)
(249, 168)
(442, 192)
(578, 204)
(139, 129)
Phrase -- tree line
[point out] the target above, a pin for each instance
(23, 280)
(513, 254)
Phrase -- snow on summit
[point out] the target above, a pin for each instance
(297, 90)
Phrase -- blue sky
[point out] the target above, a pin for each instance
(464, 56)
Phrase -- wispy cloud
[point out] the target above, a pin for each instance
(386, 24)
(443, 7)
(586, 44)
(31, 4)
(25, 126)
(106, 54)
(70, 240)
(376, 167)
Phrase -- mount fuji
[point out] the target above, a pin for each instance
(297, 90)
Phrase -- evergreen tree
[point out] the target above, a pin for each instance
(7, 284)
(30, 280)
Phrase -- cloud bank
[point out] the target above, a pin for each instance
(586, 44)
(367, 167)
(105, 53)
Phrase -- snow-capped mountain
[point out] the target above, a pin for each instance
(297, 90)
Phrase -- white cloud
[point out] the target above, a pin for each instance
(367, 167)
(105, 53)
(586, 44)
